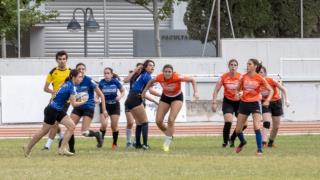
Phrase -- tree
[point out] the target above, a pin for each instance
(259, 18)
(287, 18)
(159, 13)
(252, 18)
(245, 24)
(29, 16)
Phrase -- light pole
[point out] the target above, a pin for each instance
(89, 24)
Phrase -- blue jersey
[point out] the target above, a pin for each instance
(110, 89)
(63, 95)
(87, 86)
(133, 79)
(141, 82)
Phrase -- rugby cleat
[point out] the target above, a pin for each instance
(240, 147)
(63, 151)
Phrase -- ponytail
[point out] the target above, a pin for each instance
(73, 73)
(257, 63)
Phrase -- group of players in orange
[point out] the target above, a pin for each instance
(250, 93)
(242, 97)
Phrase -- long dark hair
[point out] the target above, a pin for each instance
(145, 64)
(264, 69)
(257, 63)
(73, 73)
(114, 75)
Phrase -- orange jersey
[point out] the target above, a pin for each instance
(265, 92)
(251, 87)
(230, 85)
(171, 87)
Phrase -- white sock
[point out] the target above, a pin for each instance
(128, 133)
(168, 140)
(60, 135)
(49, 142)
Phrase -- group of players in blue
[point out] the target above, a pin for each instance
(242, 96)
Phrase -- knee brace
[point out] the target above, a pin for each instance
(85, 133)
(266, 124)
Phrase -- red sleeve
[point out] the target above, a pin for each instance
(158, 78)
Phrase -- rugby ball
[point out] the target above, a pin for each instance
(80, 96)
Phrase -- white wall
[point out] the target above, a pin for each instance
(23, 101)
(270, 50)
(95, 66)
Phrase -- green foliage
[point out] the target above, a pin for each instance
(163, 12)
(259, 18)
(251, 18)
(30, 15)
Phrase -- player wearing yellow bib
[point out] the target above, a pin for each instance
(56, 78)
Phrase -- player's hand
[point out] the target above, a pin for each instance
(266, 103)
(238, 95)
(214, 107)
(143, 95)
(84, 98)
(196, 96)
(156, 102)
(287, 103)
(118, 98)
(105, 113)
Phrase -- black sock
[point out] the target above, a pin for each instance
(103, 133)
(244, 127)
(92, 133)
(59, 144)
(226, 132)
(138, 134)
(71, 143)
(145, 133)
(233, 136)
(115, 137)
(270, 143)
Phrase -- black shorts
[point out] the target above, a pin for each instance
(83, 112)
(66, 107)
(133, 100)
(275, 108)
(52, 115)
(112, 109)
(229, 106)
(248, 108)
(169, 100)
(128, 110)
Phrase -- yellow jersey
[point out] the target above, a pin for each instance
(56, 77)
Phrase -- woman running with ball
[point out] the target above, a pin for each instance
(54, 112)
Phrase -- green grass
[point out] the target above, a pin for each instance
(297, 157)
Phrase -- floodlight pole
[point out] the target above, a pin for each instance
(18, 30)
(84, 28)
(230, 19)
(218, 40)
(208, 29)
(301, 17)
(106, 54)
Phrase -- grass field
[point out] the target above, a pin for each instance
(297, 157)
